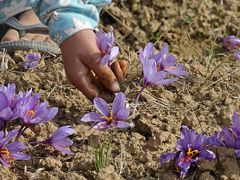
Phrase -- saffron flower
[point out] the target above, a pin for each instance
(229, 137)
(31, 60)
(167, 62)
(32, 111)
(237, 55)
(157, 68)
(191, 148)
(106, 46)
(8, 111)
(107, 118)
(11, 151)
(231, 43)
(59, 139)
(215, 140)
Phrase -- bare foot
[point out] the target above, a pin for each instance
(26, 18)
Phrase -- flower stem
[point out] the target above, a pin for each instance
(36, 142)
(137, 98)
(20, 131)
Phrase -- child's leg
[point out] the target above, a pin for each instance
(26, 18)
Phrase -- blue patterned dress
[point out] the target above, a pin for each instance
(63, 17)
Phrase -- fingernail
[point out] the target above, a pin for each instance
(115, 87)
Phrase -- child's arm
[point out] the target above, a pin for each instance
(71, 24)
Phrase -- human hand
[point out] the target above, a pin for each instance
(82, 62)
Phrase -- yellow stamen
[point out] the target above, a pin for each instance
(191, 152)
(110, 118)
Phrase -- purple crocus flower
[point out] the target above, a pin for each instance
(167, 62)
(191, 148)
(106, 46)
(59, 139)
(11, 151)
(229, 137)
(157, 67)
(32, 111)
(237, 55)
(6, 113)
(31, 60)
(107, 118)
(164, 61)
(215, 139)
(231, 43)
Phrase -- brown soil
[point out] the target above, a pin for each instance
(204, 101)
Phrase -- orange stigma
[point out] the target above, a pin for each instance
(31, 113)
(4, 152)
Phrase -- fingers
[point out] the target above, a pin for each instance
(119, 68)
(82, 78)
(104, 73)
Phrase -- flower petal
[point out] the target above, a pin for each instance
(4, 162)
(21, 156)
(64, 150)
(235, 120)
(63, 142)
(91, 117)
(4, 101)
(165, 81)
(122, 114)
(6, 114)
(105, 59)
(50, 114)
(183, 164)
(167, 157)
(118, 103)
(15, 147)
(237, 153)
(114, 53)
(169, 61)
(122, 124)
(8, 137)
(157, 76)
(206, 154)
(101, 106)
(62, 132)
(101, 125)
(161, 55)
(177, 70)
(148, 52)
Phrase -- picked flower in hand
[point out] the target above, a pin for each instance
(106, 46)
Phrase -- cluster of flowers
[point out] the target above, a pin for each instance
(192, 147)
(158, 69)
(232, 44)
(161, 69)
(27, 110)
